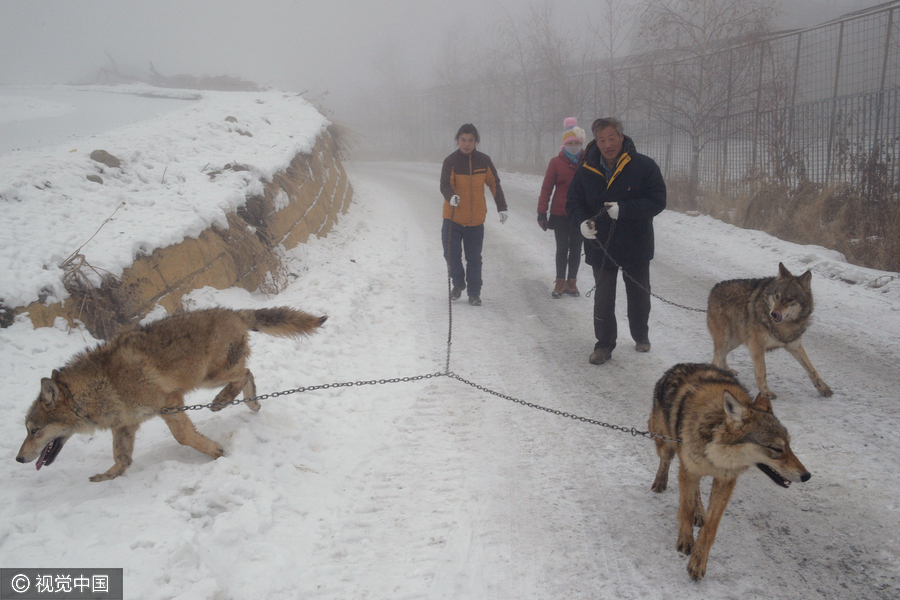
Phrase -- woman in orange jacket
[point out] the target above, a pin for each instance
(464, 175)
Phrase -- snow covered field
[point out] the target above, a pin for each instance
(434, 489)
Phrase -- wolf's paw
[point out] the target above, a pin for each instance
(111, 474)
(217, 450)
(685, 544)
(253, 405)
(659, 486)
(824, 389)
(696, 567)
(699, 518)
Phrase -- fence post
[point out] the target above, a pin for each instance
(758, 107)
(884, 64)
(831, 127)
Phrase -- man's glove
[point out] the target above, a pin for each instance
(588, 230)
(613, 210)
(454, 200)
(542, 221)
(503, 216)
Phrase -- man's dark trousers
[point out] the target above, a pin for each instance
(637, 290)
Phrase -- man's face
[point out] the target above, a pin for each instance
(610, 143)
(466, 143)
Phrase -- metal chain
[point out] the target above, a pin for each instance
(299, 390)
(634, 432)
(449, 289)
(625, 273)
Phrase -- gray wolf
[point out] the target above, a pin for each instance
(763, 314)
(120, 384)
(722, 433)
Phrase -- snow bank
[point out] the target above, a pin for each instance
(181, 175)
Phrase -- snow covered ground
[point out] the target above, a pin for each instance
(434, 489)
(162, 192)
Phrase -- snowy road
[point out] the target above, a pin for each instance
(434, 489)
(567, 507)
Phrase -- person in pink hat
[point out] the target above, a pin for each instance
(559, 174)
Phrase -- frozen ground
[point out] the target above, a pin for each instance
(434, 489)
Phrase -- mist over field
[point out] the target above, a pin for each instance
(333, 51)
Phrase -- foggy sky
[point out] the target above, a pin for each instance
(316, 45)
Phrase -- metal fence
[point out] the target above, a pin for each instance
(817, 104)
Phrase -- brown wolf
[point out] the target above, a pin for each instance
(764, 314)
(128, 380)
(722, 432)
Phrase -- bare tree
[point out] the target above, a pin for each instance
(612, 33)
(538, 63)
(774, 124)
(395, 90)
(705, 77)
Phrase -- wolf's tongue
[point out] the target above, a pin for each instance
(43, 456)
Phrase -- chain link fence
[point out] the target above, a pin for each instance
(818, 104)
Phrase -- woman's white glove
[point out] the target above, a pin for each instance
(503, 216)
(588, 230)
(613, 210)
(454, 200)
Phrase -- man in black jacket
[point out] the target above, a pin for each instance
(613, 198)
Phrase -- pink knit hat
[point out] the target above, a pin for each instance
(571, 131)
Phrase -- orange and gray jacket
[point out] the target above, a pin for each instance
(465, 175)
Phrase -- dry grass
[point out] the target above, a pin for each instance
(251, 249)
(866, 231)
(99, 308)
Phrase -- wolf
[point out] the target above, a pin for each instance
(707, 417)
(764, 314)
(120, 384)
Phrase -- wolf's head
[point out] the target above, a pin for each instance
(789, 297)
(757, 437)
(50, 423)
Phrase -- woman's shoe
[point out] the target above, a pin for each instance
(560, 288)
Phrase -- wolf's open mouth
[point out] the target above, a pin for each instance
(49, 454)
(774, 476)
(777, 316)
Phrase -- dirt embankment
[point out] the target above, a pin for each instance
(303, 200)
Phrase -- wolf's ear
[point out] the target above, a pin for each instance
(805, 279)
(763, 403)
(783, 272)
(49, 392)
(734, 410)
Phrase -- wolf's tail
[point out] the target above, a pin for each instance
(281, 321)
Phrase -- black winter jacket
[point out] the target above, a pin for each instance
(637, 185)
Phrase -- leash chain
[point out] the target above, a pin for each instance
(634, 432)
(449, 290)
(299, 390)
(625, 273)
